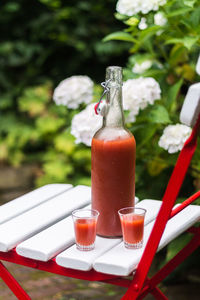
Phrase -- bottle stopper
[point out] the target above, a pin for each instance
(101, 107)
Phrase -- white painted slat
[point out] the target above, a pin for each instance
(152, 207)
(75, 259)
(198, 66)
(136, 200)
(121, 261)
(31, 222)
(82, 260)
(51, 241)
(30, 200)
(191, 106)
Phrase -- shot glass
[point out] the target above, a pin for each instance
(85, 221)
(132, 223)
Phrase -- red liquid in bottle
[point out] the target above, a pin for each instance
(113, 181)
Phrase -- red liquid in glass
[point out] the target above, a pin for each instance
(113, 181)
(85, 231)
(133, 228)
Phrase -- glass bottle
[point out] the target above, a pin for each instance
(113, 161)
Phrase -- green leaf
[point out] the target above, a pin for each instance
(177, 245)
(132, 21)
(178, 12)
(57, 170)
(159, 114)
(156, 166)
(83, 181)
(119, 35)
(178, 55)
(173, 92)
(144, 133)
(147, 33)
(48, 124)
(8, 122)
(195, 18)
(120, 17)
(34, 99)
(187, 41)
(65, 143)
(5, 102)
(189, 3)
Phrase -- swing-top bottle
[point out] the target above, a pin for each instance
(113, 161)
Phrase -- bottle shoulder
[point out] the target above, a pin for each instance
(113, 133)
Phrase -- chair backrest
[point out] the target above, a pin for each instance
(191, 106)
(190, 115)
(198, 66)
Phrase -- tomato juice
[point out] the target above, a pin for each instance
(113, 180)
(133, 228)
(85, 231)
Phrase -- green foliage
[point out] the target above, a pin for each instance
(41, 43)
(173, 49)
(53, 40)
(44, 139)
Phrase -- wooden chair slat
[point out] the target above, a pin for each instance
(79, 260)
(30, 200)
(122, 261)
(31, 222)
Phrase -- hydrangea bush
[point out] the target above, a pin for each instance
(73, 91)
(164, 43)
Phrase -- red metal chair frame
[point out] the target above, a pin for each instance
(139, 286)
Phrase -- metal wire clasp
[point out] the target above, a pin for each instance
(101, 110)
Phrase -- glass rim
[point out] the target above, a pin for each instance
(95, 215)
(137, 210)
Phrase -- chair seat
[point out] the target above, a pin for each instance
(122, 261)
(48, 243)
(30, 200)
(46, 231)
(42, 216)
(79, 260)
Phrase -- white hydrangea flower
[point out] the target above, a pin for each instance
(174, 137)
(159, 19)
(73, 91)
(140, 68)
(138, 93)
(85, 124)
(132, 7)
(142, 25)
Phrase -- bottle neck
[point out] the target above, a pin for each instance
(114, 116)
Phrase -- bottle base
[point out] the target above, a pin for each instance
(110, 236)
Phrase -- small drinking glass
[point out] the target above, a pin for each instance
(85, 221)
(132, 223)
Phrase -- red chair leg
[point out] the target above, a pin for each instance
(176, 260)
(156, 292)
(171, 265)
(12, 283)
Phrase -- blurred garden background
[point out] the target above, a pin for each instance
(45, 133)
